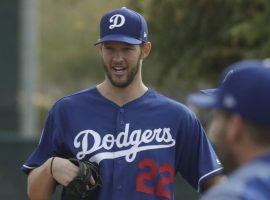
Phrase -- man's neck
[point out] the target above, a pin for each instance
(121, 96)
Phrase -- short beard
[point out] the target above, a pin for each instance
(130, 77)
(228, 161)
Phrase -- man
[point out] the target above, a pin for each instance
(138, 138)
(241, 130)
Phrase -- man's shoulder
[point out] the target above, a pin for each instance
(76, 98)
(252, 189)
(169, 102)
(252, 180)
(82, 93)
(171, 107)
(224, 191)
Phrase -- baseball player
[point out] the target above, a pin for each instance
(241, 130)
(138, 138)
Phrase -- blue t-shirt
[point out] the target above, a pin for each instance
(139, 146)
(249, 182)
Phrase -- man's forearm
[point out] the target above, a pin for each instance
(41, 184)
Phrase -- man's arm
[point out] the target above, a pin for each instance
(42, 183)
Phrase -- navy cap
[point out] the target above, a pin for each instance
(230, 70)
(246, 92)
(123, 25)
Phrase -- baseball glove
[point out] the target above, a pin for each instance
(80, 187)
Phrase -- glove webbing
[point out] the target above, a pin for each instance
(81, 183)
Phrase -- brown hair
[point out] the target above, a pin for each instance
(259, 133)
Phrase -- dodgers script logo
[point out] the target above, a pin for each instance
(117, 21)
(129, 144)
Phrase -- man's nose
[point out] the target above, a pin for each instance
(118, 57)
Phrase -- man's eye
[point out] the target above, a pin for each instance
(109, 48)
(128, 49)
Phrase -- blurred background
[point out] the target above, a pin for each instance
(47, 52)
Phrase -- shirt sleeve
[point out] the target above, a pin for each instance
(48, 146)
(197, 160)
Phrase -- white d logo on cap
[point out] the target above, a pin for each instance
(117, 21)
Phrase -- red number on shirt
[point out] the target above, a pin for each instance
(166, 168)
(168, 175)
(144, 176)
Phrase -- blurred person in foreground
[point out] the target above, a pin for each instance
(139, 138)
(241, 130)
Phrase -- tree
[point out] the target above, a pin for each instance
(196, 39)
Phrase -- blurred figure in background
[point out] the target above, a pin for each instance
(241, 130)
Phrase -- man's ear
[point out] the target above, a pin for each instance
(146, 48)
(99, 48)
(235, 129)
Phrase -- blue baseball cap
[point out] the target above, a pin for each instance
(229, 71)
(123, 25)
(245, 91)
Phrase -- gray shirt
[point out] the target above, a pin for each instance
(249, 182)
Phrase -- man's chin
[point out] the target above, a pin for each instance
(229, 166)
(120, 84)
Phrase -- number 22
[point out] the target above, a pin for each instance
(150, 175)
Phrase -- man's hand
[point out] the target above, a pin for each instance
(63, 171)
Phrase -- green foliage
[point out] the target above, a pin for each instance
(68, 58)
(192, 42)
(196, 39)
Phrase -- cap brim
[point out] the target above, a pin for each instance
(202, 100)
(210, 92)
(119, 38)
